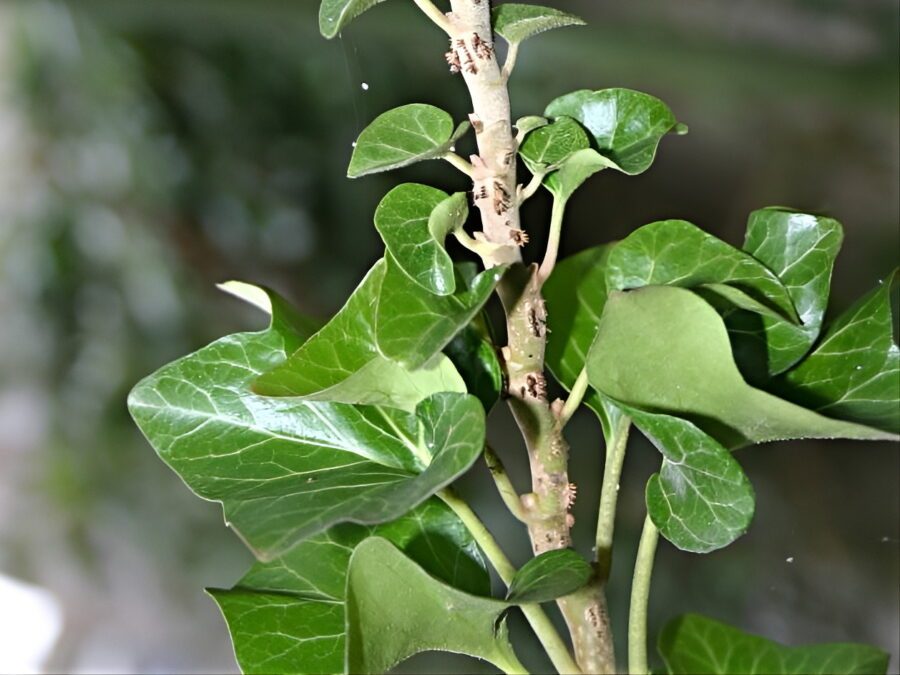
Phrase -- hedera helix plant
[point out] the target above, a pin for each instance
(333, 448)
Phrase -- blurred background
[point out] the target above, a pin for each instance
(150, 150)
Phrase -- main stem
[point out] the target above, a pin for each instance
(495, 188)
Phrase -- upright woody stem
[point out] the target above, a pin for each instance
(547, 508)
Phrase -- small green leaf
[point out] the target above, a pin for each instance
(663, 348)
(472, 352)
(549, 576)
(854, 372)
(341, 363)
(675, 252)
(527, 124)
(395, 610)
(700, 500)
(413, 325)
(448, 216)
(402, 136)
(576, 169)
(696, 644)
(404, 221)
(287, 615)
(627, 125)
(515, 23)
(547, 146)
(335, 14)
(335, 462)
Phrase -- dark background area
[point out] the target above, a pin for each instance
(151, 150)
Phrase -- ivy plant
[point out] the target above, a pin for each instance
(333, 446)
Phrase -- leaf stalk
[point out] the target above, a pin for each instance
(640, 596)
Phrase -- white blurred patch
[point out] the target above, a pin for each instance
(30, 623)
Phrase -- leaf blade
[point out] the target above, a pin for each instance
(549, 576)
(516, 22)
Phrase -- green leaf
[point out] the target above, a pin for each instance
(334, 462)
(395, 610)
(473, 353)
(700, 500)
(664, 349)
(341, 363)
(576, 169)
(675, 252)
(287, 615)
(696, 644)
(547, 146)
(527, 124)
(549, 576)
(403, 219)
(412, 325)
(626, 125)
(403, 136)
(575, 295)
(335, 14)
(448, 216)
(854, 373)
(515, 23)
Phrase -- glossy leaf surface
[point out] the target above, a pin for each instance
(663, 348)
(413, 325)
(675, 252)
(403, 221)
(549, 576)
(627, 125)
(342, 362)
(285, 469)
(515, 23)
(696, 644)
(335, 14)
(547, 146)
(475, 357)
(287, 615)
(402, 136)
(855, 371)
(800, 249)
(700, 500)
(395, 609)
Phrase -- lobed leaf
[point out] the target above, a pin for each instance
(341, 363)
(285, 469)
(627, 125)
(412, 325)
(403, 136)
(403, 219)
(854, 372)
(516, 23)
(675, 252)
(335, 14)
(549, 576)
(696, 644)
(664, 349)
(395, 610)
(700, 500)
(288, 615)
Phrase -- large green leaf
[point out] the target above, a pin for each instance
(402, 220)
(413, 325)
(285, 468)
(548, 145)
(473, 353)
(626, 125)
(403, 136)
(695, 644)
(549, 576)
(700, 500)
(800, 249)
(515, 23)
(675, 252)
(341, 363)
(854, 372)
(664, 349)
(335, 14)
(395, 609)
(287, 615)
(575, 294)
